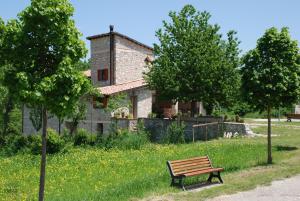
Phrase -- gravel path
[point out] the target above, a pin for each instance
(283, 190)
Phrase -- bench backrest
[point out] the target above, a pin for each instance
(293, 115)
(177, 167)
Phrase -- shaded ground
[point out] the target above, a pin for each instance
(288, 190)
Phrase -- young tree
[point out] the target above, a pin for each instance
(43, 46)
(78, 114)
(193, 63)
(35, 116)
(271, 74)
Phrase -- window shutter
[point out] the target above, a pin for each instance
(105, 74)
(105, 101)
(94, 102)
(99, 75)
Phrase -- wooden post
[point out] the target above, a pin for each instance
(193, 134)
(206, 133)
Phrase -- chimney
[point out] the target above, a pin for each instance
(111, 28)
(112, 55)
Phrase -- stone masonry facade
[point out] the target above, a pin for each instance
(128, 65)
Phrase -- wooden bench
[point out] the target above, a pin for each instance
(179, 169)
(292, 116)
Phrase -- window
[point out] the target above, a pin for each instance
(100, 128)
(100, 102)
(103, 75)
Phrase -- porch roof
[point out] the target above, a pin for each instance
(113, 89)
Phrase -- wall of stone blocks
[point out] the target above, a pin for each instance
(158, 129)
(144, 105)
(130, 60)
(28, 128)
(100, 59)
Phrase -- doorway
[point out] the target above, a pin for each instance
(134, 108)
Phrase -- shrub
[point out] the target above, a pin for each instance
(126, 139)
(83, 137)
(15, 143)
(35, 143)
(152, 115)
(175, 133)
(2, 140)
(54, 142)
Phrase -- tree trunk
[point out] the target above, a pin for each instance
(8, 109)
(74, 126)
(43, 160)
(269, 137)
(193, 108)
(60, 121)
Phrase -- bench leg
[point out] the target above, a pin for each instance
(172, 182)
(181, 184)
(219, 177)
(210, 177)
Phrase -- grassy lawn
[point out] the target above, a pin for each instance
(95, 174)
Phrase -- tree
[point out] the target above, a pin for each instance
(193, 62)
(35, 116)
(83, 65)
(271, 74)
(7, 102)
(43, 46)
(78, 114)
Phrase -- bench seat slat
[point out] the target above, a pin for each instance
(191, 168)
(188, 162)
(203, 172)
(194, 163)
(190, 159)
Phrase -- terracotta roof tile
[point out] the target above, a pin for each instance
(108, 90)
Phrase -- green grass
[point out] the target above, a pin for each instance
(96, 174)
(286, 157)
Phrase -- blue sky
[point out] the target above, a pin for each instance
(140, 19)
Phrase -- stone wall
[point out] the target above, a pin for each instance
(233, 127)
(130, 60)
(144, 102)
(158, 128)
(100, 59)
(28, 127)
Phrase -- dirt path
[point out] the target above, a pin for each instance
(287, 190)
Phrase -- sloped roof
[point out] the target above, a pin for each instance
(108, 90)
(122, 36)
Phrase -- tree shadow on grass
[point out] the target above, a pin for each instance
(285, 148)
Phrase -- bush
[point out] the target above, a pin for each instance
(15, 143)
(175, 133)
(126, 139)
(54, 142)
(82, 137)
(35, 143)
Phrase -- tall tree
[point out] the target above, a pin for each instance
(193, 62)
(43, 45)
(271, 74)
(7, 102)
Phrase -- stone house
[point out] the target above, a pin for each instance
(117, 65)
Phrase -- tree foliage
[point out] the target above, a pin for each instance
(193, 62)
(271, 71)
(35, 116)
(42, 46)
(271, 74)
